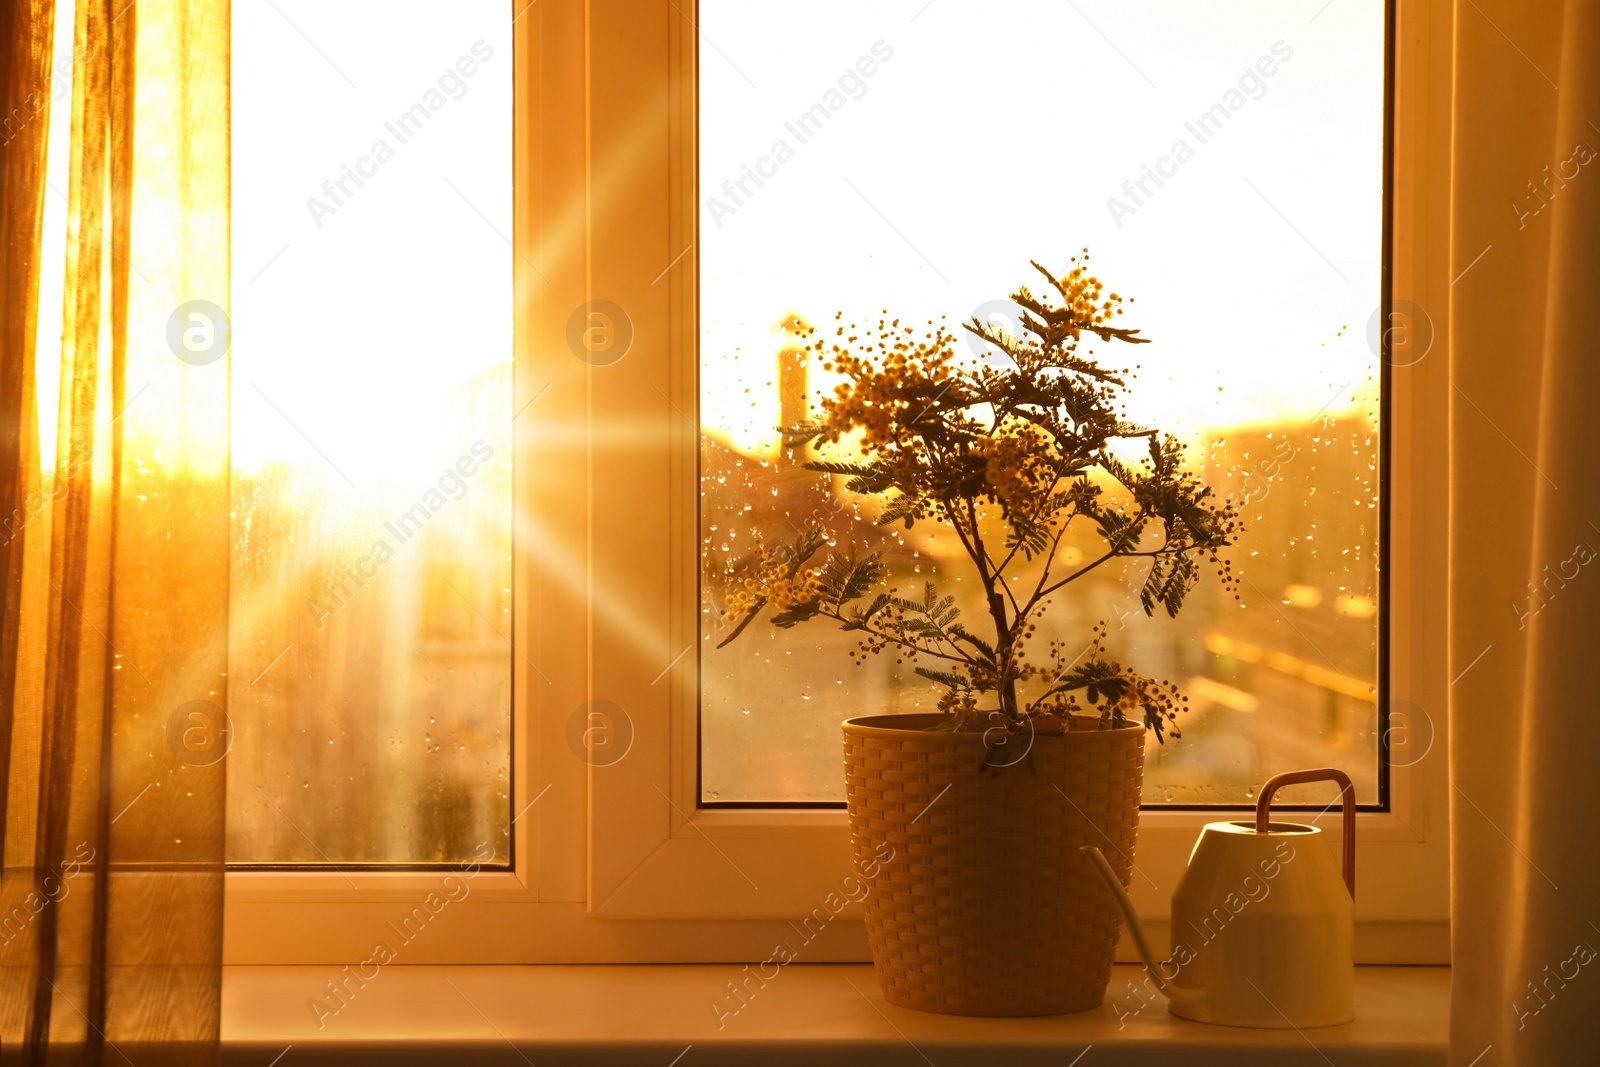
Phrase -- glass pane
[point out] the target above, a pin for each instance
(372, 319)
(1223, 165)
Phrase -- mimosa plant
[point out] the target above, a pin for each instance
(1008, 452)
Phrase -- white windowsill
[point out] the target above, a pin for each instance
(809, 1013)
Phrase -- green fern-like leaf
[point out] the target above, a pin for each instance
(902, 508)
(796, 615)
(1151, 590)
(845, 578)
(949, 679)
(1177, 585)
(1100, 680)
(984, 648)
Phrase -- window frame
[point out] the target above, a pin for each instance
(618, 863)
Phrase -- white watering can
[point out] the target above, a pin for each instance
(1262, 924)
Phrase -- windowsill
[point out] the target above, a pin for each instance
(649, 1014)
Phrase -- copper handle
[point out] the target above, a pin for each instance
(1347, 794)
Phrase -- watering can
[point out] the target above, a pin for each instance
(1262, 924)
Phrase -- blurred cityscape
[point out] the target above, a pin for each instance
(1281, 679)
(371, 688)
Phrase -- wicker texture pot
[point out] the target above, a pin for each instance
(986, 906)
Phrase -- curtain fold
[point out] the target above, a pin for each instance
(114, 535)
(1525, 534)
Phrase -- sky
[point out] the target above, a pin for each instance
(963, 146)
(355, 311)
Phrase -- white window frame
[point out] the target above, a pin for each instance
(618, 863)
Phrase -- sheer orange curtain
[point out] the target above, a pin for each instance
(1525, 534)
(114, 535)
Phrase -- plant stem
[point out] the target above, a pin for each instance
(958, 657)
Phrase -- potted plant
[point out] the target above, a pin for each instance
(988, 907)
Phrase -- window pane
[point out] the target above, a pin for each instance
(372, 288)
(1223, 164)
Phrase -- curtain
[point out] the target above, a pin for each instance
(1525, 534)
(113, 529)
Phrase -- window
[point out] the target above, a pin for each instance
(617, 852)
(1224, 163)
(371, 572)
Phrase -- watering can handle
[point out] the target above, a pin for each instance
(1347, 794)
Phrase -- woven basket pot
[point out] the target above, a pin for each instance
(985, 906)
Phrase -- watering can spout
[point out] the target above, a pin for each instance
(1175, 991)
